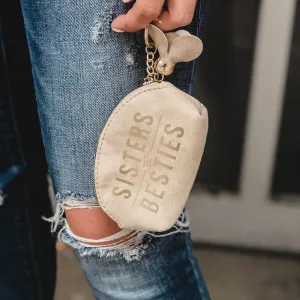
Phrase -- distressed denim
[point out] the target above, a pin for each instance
(167, 271)
(82, 70)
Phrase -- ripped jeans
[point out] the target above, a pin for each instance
(82, 70)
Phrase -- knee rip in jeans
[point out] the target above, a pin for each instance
(128, 243)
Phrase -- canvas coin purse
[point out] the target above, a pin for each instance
(151, 147)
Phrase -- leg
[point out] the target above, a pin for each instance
(81, 71)
(168, 270)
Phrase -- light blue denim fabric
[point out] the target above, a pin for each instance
(168, 270)
(82, 70)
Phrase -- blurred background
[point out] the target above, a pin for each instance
(248, 189)
(245, 205)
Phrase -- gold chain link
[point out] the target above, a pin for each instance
(152, 75)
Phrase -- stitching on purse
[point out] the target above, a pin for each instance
(102, 137)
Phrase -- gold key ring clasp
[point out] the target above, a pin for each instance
(146, 36)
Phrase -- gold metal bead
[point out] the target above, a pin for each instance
(164, 67)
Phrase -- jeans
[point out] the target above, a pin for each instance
(168, 270)
(82, 70)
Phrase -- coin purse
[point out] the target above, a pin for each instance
(150, 149)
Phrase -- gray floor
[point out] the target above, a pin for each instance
(229, 276)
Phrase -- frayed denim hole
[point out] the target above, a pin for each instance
(130, 253)
(66, 194)
(68, 201)
(135, 57)
(101, 26)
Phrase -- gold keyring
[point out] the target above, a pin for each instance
(146, 36)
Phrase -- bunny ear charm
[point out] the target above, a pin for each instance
(174, 47)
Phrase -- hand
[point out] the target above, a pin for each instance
(178, 13)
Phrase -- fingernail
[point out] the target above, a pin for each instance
(117, 30)
(126, 1)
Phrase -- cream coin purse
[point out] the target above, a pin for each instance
(150, 149)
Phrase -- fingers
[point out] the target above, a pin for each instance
(180, 13)
(139, 16)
